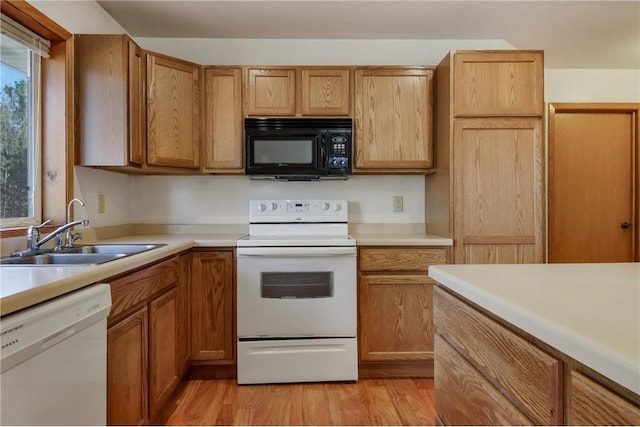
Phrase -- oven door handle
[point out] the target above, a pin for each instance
(298, 251)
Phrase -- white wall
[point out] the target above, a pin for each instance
(220, 199)
(601, 85)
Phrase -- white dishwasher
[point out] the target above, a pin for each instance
(54, 361)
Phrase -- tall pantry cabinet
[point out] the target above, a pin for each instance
(488, 189)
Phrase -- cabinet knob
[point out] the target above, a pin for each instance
(625, 225)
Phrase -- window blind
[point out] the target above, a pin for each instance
(17, 32)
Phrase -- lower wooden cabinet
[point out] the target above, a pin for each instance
(143, 366)
(212, 308)
(127, 374)
(395, 300)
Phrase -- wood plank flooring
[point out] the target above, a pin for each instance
(367, 402)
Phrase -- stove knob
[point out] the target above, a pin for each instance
(262, 207)
(337, 207)
(325, 206)
(274, 207)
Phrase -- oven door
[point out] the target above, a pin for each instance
(289, 292)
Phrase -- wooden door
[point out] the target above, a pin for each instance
(394, 119)
(498, 83)
(223, 143)
(591, 182)
(396, 317)
(498, 183)
(173, 112)
(127, 376)
(271, 92)
(163, 349)
(325, 92)
(212, 300)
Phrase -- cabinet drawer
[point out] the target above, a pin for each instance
(592, 404)
(457, 381)
(530, 378)
(130, 290)
(401, 259)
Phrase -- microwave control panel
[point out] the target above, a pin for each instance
(339, 152)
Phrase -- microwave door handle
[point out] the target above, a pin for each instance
(323, 149)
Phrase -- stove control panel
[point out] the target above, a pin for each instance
(298, 211)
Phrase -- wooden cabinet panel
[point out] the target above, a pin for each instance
(223, 143)
(465, 397)
(325, 92)
(127, 375)
(593, 404)
(394, 119)
(184, 314)
(173, 112)
(103, 116)
(526, 375)
(401, 259)
(395, 318)
(271, 92)
(212, 300)
(499, 184)
(137, 106)
(163, 363)
(498, 83)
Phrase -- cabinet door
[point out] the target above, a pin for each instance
(394, 119)
(498, 184)
(223, 143)
(498, 83)
(127, 375)
(212, 300)
(163, 349)
(271, 92)
(325, 92)
(184, 314)
(173, 112)
(395, 317)
(137, 105)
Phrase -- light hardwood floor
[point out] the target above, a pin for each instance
(367, 402)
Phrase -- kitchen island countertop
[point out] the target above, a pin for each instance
(590, 312)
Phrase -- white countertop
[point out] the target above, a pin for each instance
(590, 312)
(400, 239)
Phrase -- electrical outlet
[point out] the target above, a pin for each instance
(398, 204)
(101, 205)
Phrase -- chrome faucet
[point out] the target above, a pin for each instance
(34, 243)
(72, 237)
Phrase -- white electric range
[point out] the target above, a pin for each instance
(296, 280)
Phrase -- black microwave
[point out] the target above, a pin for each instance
(297, 149)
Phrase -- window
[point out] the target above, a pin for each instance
(20, 148)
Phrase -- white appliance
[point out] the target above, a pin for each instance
(54, 361)
(296, 279)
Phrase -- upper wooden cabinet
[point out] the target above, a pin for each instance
(173, 112)
(301, 91)
(498, 83)
(223, 143)
(109, 101)
(394, 119)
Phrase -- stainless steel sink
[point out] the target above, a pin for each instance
(82, 255)
(127, 249)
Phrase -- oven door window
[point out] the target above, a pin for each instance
(299, 285)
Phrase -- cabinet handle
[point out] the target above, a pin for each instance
(625, 225)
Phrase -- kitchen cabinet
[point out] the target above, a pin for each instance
(395, 335)
(302, 91)
(213, 339)
(595, 404)
(184, 314)
(394, 119)
(142, 337)
(223, 141)
(110, 126)
(173, 112)
(488, 190)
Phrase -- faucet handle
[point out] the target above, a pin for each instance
(33, 229)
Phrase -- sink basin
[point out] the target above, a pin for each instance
(127, 249)
(62, 259)
(82, 255)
